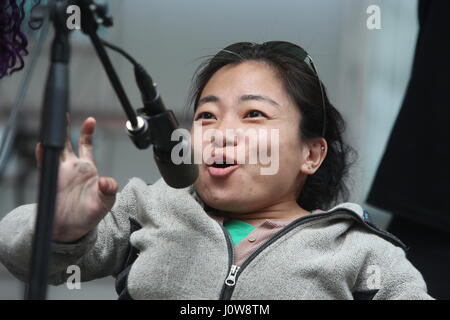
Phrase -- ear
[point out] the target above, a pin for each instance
(314, 152)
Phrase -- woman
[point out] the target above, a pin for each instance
(236, 233)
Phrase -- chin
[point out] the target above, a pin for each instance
(234, 194)
(219, 198)
(233, 200)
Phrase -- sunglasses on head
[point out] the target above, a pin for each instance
(288, 48)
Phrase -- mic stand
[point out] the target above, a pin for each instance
(53, 131)
(53, 128)
(54, 124)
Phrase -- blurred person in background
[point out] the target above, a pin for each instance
(413, 178)
(13, 42)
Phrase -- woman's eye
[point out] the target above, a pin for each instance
(254, 114)
(205, 116)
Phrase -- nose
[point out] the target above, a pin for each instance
(224, 139)
(227, 134)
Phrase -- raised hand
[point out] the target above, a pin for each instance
(84, 197)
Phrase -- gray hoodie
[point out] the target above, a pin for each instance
(160, 243)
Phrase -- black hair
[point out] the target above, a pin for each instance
(327, 185)
(13, 42)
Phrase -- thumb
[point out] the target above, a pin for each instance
(108, 185)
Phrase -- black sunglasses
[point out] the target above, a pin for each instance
(288, 48)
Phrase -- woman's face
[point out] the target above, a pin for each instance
(237, 99)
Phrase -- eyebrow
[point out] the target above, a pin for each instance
(246, 97)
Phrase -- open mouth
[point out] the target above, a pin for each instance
(222, 170)
(222, 165)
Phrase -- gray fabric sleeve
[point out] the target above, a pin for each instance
(400, 280)
(98, 254)
(386, 274)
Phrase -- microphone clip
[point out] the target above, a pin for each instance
(153, 130)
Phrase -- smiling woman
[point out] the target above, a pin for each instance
(235, 233)
(295, 98)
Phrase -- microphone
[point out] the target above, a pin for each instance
(155, 126)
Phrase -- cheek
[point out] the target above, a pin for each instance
(290, 150)
(201, 144)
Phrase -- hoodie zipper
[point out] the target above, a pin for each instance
(230, 281)
(235, 271)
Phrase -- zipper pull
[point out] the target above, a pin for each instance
(231, 279)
